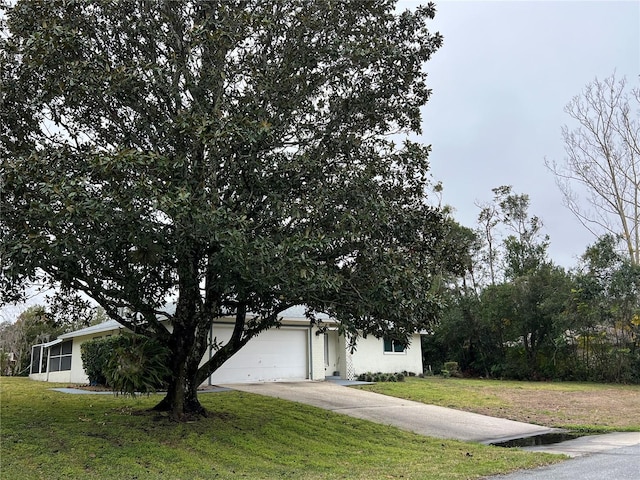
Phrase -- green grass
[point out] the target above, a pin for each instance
(583, 407)
(450, 392)
(51, 435)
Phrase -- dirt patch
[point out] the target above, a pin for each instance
(613, 408)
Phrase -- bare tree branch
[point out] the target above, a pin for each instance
(600, 175)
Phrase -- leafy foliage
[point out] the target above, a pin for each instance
(235, 156)
(95, 354)
(382, 377)
(137, 365)
(534, 320)
(605, 311)
(130, 364)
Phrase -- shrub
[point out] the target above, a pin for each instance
(138, 365)
(127, 363)
(382, 377)
(452, 368)
(95, 354)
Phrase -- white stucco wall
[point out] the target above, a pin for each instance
(63, 377)
(370, 357)
(40, 377)
(77, 374)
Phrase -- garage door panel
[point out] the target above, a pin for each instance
(280, 354)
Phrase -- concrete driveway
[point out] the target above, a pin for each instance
(416, 417)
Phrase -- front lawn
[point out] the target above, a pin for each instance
(587, 407)
(50, 435)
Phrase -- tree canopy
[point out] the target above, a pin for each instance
(236, 158)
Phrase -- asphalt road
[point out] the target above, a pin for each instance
(615, 464)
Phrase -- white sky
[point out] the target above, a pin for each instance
(500, 83)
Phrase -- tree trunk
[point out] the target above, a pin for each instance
(188, 344)
(181, 399)
(187, 349)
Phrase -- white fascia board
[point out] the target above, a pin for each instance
(51, 343)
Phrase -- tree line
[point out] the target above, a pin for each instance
(515, 314)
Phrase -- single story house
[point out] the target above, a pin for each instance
(295, 351)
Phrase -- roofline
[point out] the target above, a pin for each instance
(52, 343)
(110, 325)
(101, 327)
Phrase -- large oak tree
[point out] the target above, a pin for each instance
(235, 157)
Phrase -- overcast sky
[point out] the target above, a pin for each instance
(500, 83)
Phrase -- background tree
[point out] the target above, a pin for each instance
(605, 313)
(34, 325)
(488, 220)
(524, 246)
(233, 156)
(511, 323)
(457, 288)
(603, 161)
(538, 303)
(524, 310)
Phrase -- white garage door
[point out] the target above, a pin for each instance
(278, 354)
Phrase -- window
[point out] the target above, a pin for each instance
(60, 356)
(394, 346)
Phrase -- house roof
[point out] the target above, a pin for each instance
(99, 328)
(293, 313)
(297, 312)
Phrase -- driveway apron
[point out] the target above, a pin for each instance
(407, 415)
